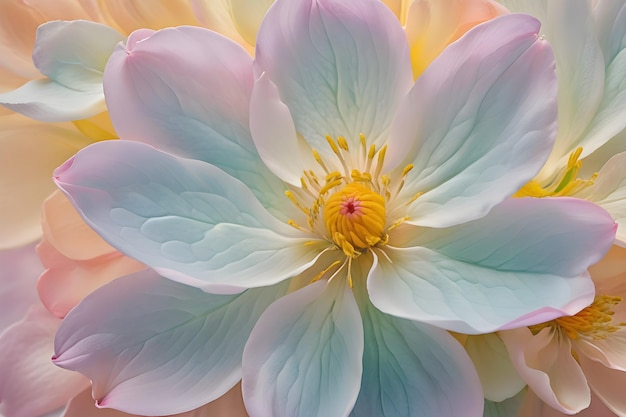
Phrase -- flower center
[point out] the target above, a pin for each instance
(567, 184)
(594, 321)
(355, 218)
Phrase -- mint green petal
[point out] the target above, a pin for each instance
(303, 357)
(413, 369)
(506, 408)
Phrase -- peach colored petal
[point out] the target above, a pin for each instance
(65, 230)
(610, 272)
(433, 24)
(130, 15)
(216, 15)
(30, 152)
(399, 8)
(98, 127)
(247, 16)
(66, 282)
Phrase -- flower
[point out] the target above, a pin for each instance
(395, 217)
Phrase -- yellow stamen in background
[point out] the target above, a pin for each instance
(566, 185)
(595, 321)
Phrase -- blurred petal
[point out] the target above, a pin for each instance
(217, 15)
(143, 336)
(187, 219)
(479, 122)
(19, 269)
(31, 385)
(506, 408)
(433, 25)
(186, 91)
(498, 377)
(546, 363)
(524, 263)
(131, 15)
(26, 184)
(247, 16)
(413, 369)
(304, 355)
(345, 94)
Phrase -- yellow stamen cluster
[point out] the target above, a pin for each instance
(594, 321)
(567, 184)
(351, 196)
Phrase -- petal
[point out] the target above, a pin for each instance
(304, 355)
(247, 16)
(72, 55)
(162, 340)
(341, 67)
(30, 152)
(19, 269)
(185, 218)
(31, 385)
(48, 101)
(479, 122)
(65, 282)
(524, 263)
(546, 363)
(412, 369)
(131, 15)
(217, 15)
(186, 91)
(506, 408)
(606, 383)
(433, 25)
(83, 405)
(609, 191)
(498, 377)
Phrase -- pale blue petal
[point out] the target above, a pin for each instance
(303, 357)
(186, 90)
(155, 347)
(480, 122)
(413, 369)
(341, 66)
(185, 218)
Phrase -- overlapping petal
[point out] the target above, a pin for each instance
(472, 132)
(163, 339)
(186, 90)
(185, 218)
(26, 185)
(18, 274)
(413, 369)
(546, 363)
(514, 267)
(73, 56)
(303, 357)
(341, 68)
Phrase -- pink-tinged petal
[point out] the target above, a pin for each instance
(30, 152)
(228, 405)
(433, 25)
(546, 363)
(609, 191)
(341, 67)
(607, 384)
(185, 218)
(144, 337)
(19, 269)
(304, 355)
(478, 124)
(413, 369)
(609, 274)
(187, 91)
(65, 282)
(498, 377)
(524, 263)
(31, 385)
